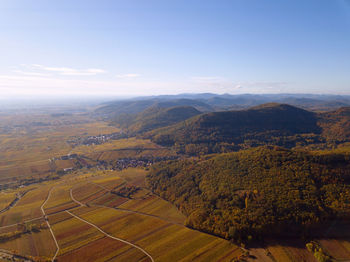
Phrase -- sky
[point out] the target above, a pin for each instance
(150, 47)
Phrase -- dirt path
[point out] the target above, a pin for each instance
(108, 235)
(133, 211)
(48, 224)
(140, 213)
(25, 221)
(76, 201)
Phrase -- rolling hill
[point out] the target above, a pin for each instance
(266, 124)
(155, 117)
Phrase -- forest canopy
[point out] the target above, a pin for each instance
(257, 192)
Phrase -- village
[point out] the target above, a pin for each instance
(95, 140)
(118, 164)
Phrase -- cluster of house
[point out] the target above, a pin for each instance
(95, 140)
(141, 162)
(126, 163)
(66, 157)
(117, 164)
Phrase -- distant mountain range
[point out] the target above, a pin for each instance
(134, 106)
(213, 102)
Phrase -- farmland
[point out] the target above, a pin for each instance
(49, 213)
(29, 142)
(75, 201)
(35, 147)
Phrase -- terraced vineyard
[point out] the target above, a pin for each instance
(90, 222)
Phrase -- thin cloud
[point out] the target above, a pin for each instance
(128, 76)
(29, 73)
(13, 85)
(206, 79)
(224, 85)
(67, 71)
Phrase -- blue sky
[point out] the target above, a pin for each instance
(166, 47)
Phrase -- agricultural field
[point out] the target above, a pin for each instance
(36, 245)
(59, 200)
(158, 237)
(28, 206)
(28, 142)
(289, 251)
(336, 247)
(6, 198)
(123, 149)
(129, 143)
(88, 227)
(38, 147)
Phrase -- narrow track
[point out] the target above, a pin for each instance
(141, 213)
(76, 201)
(48, 224)
(108, 235)
(25, 221)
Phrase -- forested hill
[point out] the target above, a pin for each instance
(114, 109)
(259, 192)
(274, 124)
(259, 123)
(155, 117)
(336, 124)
